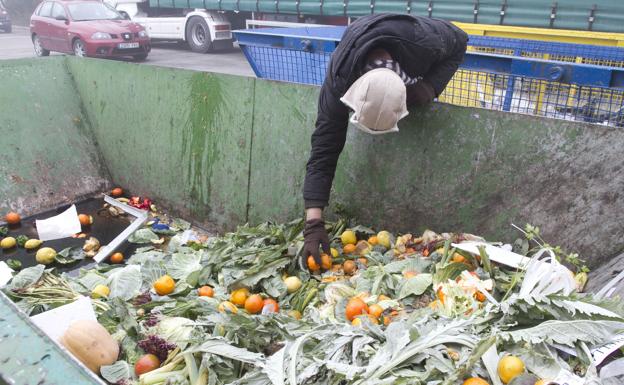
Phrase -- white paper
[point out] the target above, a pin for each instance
(63, 225)
(6, 273)
(496, 254)
(55, 322)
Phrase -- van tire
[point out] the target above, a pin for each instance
(198, 35)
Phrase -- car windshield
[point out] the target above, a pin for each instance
(92, 11)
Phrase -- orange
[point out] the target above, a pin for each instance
(363, 261)
(312, 265)
(326, 261)
(459, 258)
(116, 258)
(12, 218)
(373, 240)
(205, 291)
(348, 249)
(355, 307)
(475, 381)
(375, 310)
(227, 307)
(164, 285)
(117, 192)
(85, 220)
(409, 274)
(270, 306)
(479, 296)
(254, 304)
(239, 296)
(349, 267)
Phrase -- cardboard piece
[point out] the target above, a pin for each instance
(55, 322)
(60, 226)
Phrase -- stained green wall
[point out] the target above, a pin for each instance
(225, 150)
(47, 155)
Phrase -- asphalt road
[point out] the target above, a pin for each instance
(18, 45)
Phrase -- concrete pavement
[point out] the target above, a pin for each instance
(18, 45)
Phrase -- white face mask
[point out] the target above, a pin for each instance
(360, 126)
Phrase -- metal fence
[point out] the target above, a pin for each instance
(557, 80)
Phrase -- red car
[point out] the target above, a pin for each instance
(86, 28)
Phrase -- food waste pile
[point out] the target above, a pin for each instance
(382, 308)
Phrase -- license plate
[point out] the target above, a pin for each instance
(128, 45)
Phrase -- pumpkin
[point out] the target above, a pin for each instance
(91, 344)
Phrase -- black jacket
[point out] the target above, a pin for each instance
(424, 47)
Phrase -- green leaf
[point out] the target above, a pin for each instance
(450, 271)
(143, 236)
(91, 279)
(567, 332)
(14, 264)
(3, 231)
(181, 265)
(222, 348)
(26, 277)
(70, 255)
(117, 372)
(416, 285)
(125, 283)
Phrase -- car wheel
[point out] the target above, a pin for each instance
(198, 35)
(140, 57)
(39, 50)
(79, 48)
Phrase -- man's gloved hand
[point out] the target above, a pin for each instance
(314, 235)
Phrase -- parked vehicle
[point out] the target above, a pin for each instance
(86, 28)
(5, 20)
(201, 29)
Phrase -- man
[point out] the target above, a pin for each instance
(383, 63)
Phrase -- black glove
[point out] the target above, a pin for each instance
(314, 235)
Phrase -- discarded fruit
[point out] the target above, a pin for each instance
(326, 262)
(117, 192)
(458, 258)
(292, 284)
(375, 310)
(363, 261)
(348, 238)
(12, 218)
(373, 241)
(349, 267)
(146, 363)
(312, 265)
(270, 306)
(296, 314)
(541, 382)
(91, 344)
(357, 321)
(476, 381)
(117, 258)
(362, 248)
(349, 248)
(100, 291)
(85, 220)
(21, 240)
(334, 252)
(227, 307)
(91, 245)
(45, 255)
(239, 296)
(382, 297)
(32, 244)
(355, 307)
(8, 243)
(164, 285)
(205, 291)
(254, 304)
(510, 367)
(480, 296)
(384, 239)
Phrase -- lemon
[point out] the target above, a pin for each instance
(100, 291)
(510, 367)
(8, 243)
(385, 239)
(45, 255)
(32, 244)
(348, 237)
(227, 307)
(334, 252)
(292, 284)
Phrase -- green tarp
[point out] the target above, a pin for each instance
(607, 15)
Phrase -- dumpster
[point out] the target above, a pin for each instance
(212, 150)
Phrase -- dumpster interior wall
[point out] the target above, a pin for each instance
(228, 150)
(48, 155)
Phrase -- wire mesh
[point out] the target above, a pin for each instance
(483, 89)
